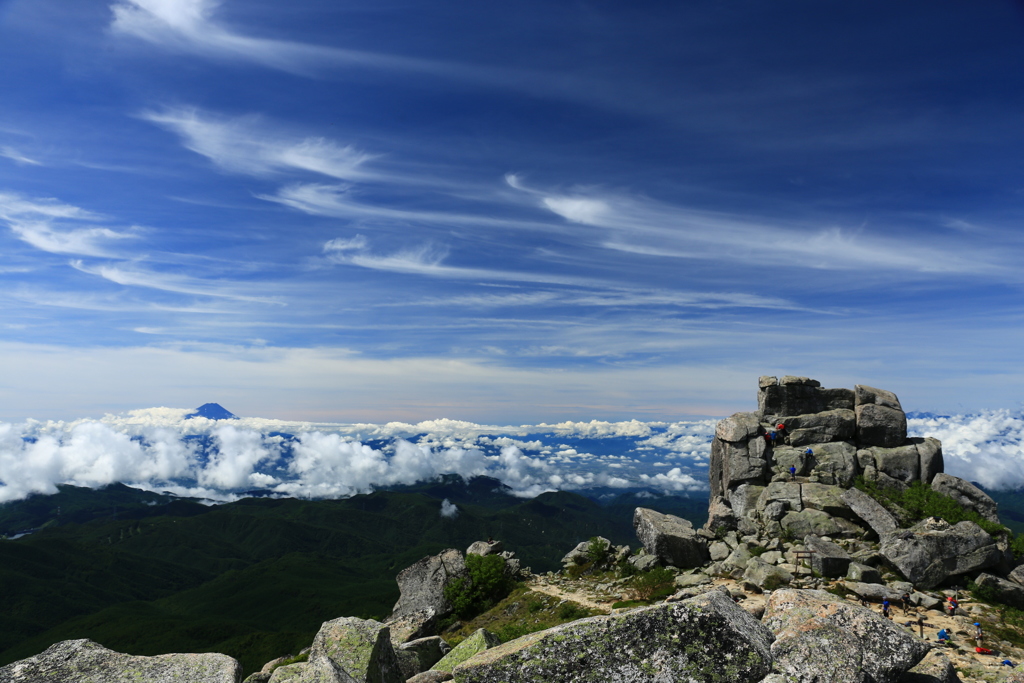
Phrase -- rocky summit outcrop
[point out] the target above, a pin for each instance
(83, 661)
(788, 471)
(422, 601)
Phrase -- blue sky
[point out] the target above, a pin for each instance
(509, 213)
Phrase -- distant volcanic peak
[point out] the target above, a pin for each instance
(212, 411)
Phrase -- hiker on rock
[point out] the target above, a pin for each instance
(780, 429)
(885, 609)
(906, 603)
(978, 635)
(792, 471)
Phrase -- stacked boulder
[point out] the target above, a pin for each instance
(787, 471)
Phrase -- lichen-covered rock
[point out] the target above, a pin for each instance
(871, 511)
(879, 425)
(827, 558)
(934, 668)
(828, 499)
(826, 654)
(422, 585)
(477, 642)
(967, 494)
(83, 661)
(800, 524)
(933, 550)
(764, 575)
(344, 650)
(886, 650)
(412, 626)
(705, 638)
(671, 539)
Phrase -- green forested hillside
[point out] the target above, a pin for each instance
(146, 574)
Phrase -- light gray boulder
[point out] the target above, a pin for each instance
(743, 499)
(581, 553)
(829, 425)
(671, 539)
(705, 638)
(933, 550)
(733, 464)
(930, 452)
(422, 587)
(784, 457)
(884, 650)
(84, 661)
(644, 563)
(934, 668)
(785, 492)
(902, 463)
(871, 511)
(764, 575)
(828, 499)
(834, 463)
(739, 427)
(1006, 592)
(873, 592)
(346, 650)
(719, 550)
(865, 395)
(878, 425)
(720, 516)
(738, 558)
(926, 601)
(478, 641)
(485, 548)
(1017, 575)
(967, 494)
(862, 573)
(827, 558)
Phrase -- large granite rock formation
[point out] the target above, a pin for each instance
(669, 538)
(788, 469)
(83, 661)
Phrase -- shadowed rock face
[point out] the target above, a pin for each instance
(346, 650)
(706, 638)
(422, 584)
(671, 539)
(83, 661)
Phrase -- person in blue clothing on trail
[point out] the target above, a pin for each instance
(792, 471)
(944, 636)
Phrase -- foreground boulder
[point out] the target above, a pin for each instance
(477, 642)
(933, 550)
(705, 638)
(419, 655)
(934, 668)
(821, 638)
(671, 539)
(83, 661)
(346, 650)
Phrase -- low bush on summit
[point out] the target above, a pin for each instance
(485, 585)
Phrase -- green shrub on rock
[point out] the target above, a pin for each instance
(485, 585)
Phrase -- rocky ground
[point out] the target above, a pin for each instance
(602, 592)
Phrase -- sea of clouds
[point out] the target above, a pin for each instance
(160, 449)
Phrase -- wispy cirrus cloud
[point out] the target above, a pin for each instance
(42, 223)
(643, 226)
(17, 157)
(247, 145)
(133, 276)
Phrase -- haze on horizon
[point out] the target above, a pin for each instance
(506, 214)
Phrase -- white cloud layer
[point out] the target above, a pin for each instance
(150, 449)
